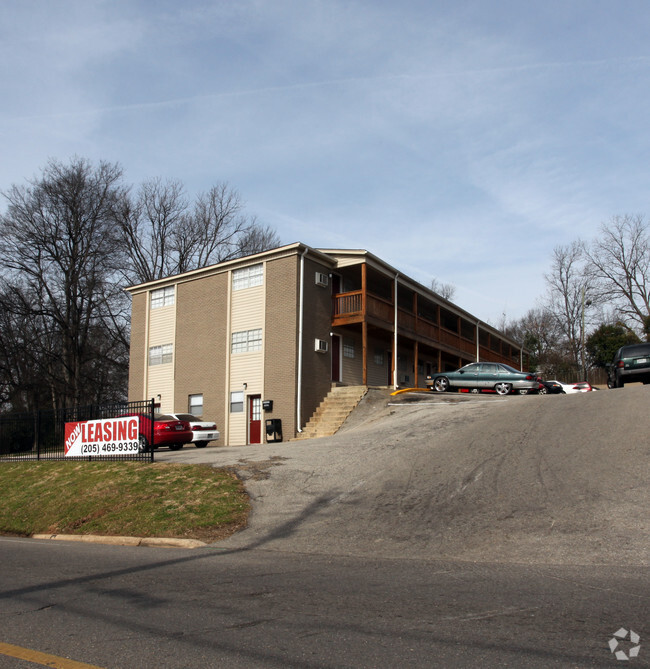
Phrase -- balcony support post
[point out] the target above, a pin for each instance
(395, 333)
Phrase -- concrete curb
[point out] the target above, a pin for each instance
(124, 541)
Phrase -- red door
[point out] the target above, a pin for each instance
(254, 419)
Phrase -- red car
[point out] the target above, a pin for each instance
(167, 431)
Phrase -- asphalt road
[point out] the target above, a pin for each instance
(131, 608)
(452, 531)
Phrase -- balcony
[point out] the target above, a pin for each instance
(355, 307)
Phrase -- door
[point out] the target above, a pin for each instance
(489, 375)
(336, 358)
(254, 419)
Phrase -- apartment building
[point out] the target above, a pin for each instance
(265, 336)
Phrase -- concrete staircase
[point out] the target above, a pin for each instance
(332, 411)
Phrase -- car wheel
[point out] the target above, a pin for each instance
(476, 391)
(143, 445)
(502, 388)
(201, 444)
(543, 391)
(175, 447)
(441, 384)
(523, 391)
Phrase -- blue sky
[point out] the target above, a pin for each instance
(461, 140)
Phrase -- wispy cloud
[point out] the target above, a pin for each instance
(453, 139)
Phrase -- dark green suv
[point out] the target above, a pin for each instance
(631, 363)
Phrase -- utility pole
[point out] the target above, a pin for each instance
(582, 332)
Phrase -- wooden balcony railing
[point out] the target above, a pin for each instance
(348, 308)
(348, 304)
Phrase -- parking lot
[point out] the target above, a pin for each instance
(479, 477)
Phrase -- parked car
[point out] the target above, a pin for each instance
(167, 431)
(484, 376)
(203, 431)
(550, 388)
(631, 363)
(577, 387)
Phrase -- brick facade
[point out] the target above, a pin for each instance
(345, 293)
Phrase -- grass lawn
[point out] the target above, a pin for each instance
(121, 499)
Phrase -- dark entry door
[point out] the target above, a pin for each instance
(336, 358)
(255, 419)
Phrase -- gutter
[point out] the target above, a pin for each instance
(301, 314)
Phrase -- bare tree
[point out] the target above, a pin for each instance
(445, 290)
(68, 242)
(620, 259)
(61, 259)
(150, 225)
(256, 239)
(572, 292)
(164, 235)
(538, 332)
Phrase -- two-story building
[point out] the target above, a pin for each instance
(266, 336)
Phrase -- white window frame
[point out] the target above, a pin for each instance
(161, 355)
(194, 406)
(348, 347)
(248, 277)
(163, 297)
(246, 341)
(237, 401)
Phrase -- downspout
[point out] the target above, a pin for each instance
(395, 338)
(478, 347)
(300, 325)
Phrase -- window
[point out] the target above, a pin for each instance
(237, 402)
(247, 277)
(195, 405)
(379, 356)
(322, 279)
(348, 348)
(163, 297)
(256, 408)
(161, 355)
(246, 341)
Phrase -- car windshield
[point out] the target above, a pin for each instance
(186, 416)
(161, 416)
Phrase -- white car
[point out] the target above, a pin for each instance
(577, 387)
(202, 431)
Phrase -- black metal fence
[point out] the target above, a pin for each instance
(95, 432)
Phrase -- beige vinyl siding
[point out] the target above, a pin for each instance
(246, 313)
(247, 309)
(160, 378)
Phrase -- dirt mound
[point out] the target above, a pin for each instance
(526, 479)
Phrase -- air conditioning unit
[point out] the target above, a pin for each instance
(322, 279)
(320, 346)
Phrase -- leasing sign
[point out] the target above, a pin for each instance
(110, 436)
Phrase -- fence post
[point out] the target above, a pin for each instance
(151, 450)
(38, 434)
